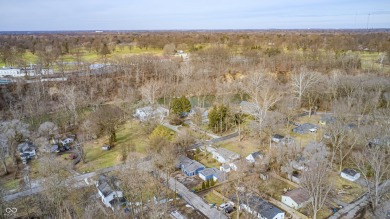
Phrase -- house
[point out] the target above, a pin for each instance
(277, 138)
(326, 119)
(254, 156)
(296, 198)
(212, 173)
(109, 191)
(27, 151)
(223, 155)
(258, 207)
(299, 163)
(225, 168)
(192, 168)
(248, 107)
(350, 174)
(183, 161)
(305, 128)
(149, 112)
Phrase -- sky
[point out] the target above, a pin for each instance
(50, 15)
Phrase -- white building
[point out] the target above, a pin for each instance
(253, 157)
(223, 155)
(10, 72)
(109, 192)
(350, 174)
(296, 198)
(148, 112)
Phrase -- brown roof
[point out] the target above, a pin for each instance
(298, 195)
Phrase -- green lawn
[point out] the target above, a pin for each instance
(11, 184)
(211, 198)
(129, 135)
(208, 160)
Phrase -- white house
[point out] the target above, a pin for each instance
(254, 156)
(148, 112)
(350, 174)
(11, 72)
(223, 155)
(296, 198)
(109, 191)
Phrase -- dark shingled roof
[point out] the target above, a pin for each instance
(107, 185)
(261, 206)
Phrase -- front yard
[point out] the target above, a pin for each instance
(244, 147)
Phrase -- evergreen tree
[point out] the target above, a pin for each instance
(219, 119)
(212, 183)
(207, 183)
(180, 105)
(203, 185)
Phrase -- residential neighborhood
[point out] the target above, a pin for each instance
(267, 124)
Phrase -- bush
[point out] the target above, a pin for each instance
(212, 183)
(162, 131)
(203, 185)
(207, 184)
(175, 119)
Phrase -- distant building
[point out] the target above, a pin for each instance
(305, 128)
(277, 138)
(10, 72)
(327, 119)
(148, 112)
(255, 156)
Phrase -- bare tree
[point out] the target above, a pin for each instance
(149, 91)
(302, 81)
(316, 180)
(374, 165)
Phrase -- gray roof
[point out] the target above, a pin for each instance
(26, 147)
(277, 136)
(208, 171)
(192, 166)
(266, 209)
(304, 128)
(349, 171)
(299, 195)
(183, 160)
(227, 154)
(256, 154)
(107, 185)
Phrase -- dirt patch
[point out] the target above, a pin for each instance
(188, 181)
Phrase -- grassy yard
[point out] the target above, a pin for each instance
(129, 136)
(274, 187)
(244, 147)
(211, 198)
(11, 184)
(351, 193)
(208, 160)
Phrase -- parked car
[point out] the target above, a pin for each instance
(67, 147)
(229, 209)
(223, 206)
(106, 147)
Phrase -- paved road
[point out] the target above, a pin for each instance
(194, 200)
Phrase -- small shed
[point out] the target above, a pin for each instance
(350, 174)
